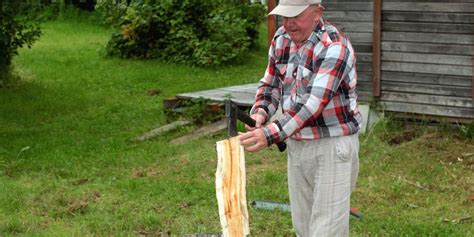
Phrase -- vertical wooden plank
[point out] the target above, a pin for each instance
(271, 21)
(231, 188)
(376, 47)
(472, 82)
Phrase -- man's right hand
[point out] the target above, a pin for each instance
(259, 121)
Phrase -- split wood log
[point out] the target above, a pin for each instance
(231, 188)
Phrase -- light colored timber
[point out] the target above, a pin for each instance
(231, 188)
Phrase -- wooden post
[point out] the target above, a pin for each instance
(376, 47)
(472, 82)
(231, 188)
(271, 21)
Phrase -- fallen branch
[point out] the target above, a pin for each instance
(158, 131)
(465, 219)
(411, 183)
(207, 130)
(447, 169)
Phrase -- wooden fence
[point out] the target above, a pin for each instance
(414, 56)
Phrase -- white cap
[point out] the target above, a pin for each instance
(291, 8)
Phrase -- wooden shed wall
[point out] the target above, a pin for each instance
(355, 20)
(427, 49)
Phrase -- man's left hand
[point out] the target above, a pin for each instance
(254, 141)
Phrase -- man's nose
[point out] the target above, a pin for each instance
(288, 20)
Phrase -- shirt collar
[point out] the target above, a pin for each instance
(317, 34)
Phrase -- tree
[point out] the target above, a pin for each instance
(17, 29)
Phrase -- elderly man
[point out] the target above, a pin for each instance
(311, 73)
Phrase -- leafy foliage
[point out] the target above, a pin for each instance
(112, 10)
(17, 29)
(191, 31)
(198, 110)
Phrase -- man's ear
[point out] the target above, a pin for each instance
(318, 13)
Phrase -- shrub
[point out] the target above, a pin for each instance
(111, 10)
(17, 29)
(190, 31)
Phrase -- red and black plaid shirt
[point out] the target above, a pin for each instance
(315, 85)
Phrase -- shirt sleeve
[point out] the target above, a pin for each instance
(269, 89)
(322, 86)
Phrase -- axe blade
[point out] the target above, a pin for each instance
(233, 113)
(231, 116)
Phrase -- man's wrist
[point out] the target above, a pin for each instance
(261, 112)
(267, 133)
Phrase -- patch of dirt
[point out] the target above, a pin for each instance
(79, 181)
(146, 172)
(139, 173)
(154, 233)
(153, 92)
(403, 136)
(185, 205)
(80, 206)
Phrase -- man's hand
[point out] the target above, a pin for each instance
(254, 141)
(259, 121)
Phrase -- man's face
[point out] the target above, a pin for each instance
(300, 27)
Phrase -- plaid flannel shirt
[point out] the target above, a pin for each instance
(315, 84)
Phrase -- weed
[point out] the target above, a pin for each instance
(467, 130)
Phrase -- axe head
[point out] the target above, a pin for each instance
(233, 113)
(231, 116)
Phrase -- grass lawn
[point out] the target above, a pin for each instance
(68, 166)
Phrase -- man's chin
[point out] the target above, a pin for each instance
(293, 37)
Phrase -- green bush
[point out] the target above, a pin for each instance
(111, 10)
(17, 29)
(196, 32)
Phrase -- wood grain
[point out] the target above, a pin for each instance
(428, 7)
(231, 188)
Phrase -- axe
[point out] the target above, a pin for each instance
(233, 113)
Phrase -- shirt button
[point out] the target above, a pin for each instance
(294, 74)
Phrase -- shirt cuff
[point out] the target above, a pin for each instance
(273, 133)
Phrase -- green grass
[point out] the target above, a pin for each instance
(68, 167)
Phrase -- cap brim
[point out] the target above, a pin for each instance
(288, 11)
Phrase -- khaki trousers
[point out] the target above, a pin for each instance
(321, 176)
